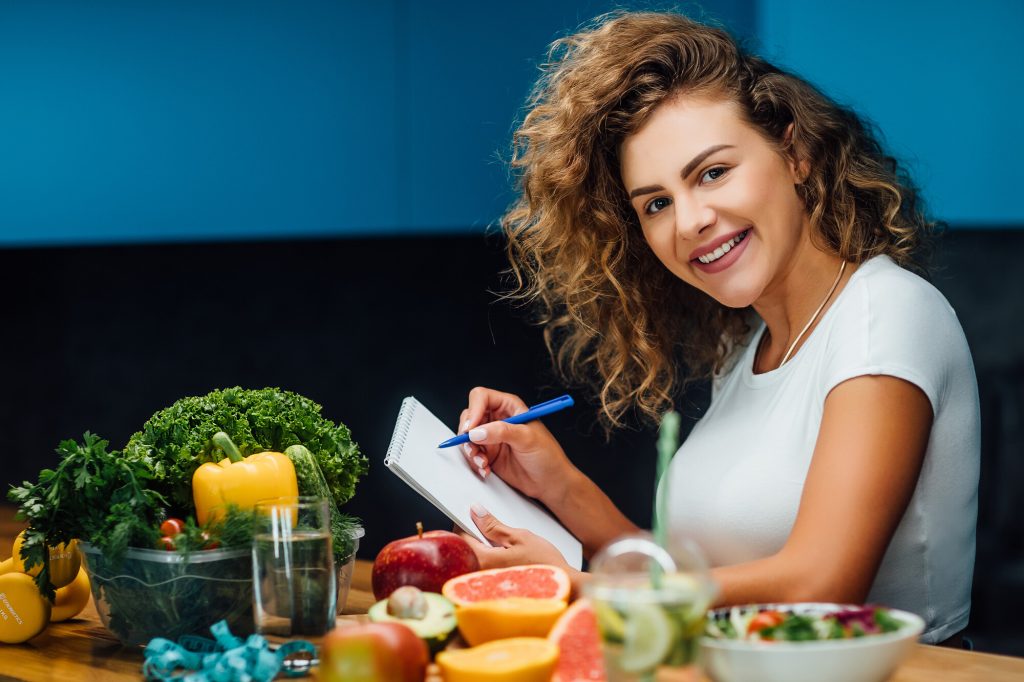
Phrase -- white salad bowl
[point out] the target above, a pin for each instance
(870, 658)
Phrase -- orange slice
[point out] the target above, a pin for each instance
(484, 621)
(519, 659)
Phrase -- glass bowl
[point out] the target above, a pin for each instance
(155, 593)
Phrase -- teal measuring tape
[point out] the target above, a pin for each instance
(225, 658)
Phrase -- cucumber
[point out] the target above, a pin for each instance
(312, 483)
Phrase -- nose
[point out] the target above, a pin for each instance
(693, 216)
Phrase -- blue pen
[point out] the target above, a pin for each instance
(535, 412)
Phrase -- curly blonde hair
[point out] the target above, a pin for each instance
(613, 316)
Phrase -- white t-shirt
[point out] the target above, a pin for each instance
(735, 484)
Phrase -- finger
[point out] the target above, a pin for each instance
(486, 404)
(476, 459)
(494, 530)
(493, 434)
(487, 556)
(474, 456)
(472, 540)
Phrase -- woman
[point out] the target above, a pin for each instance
(684, 204)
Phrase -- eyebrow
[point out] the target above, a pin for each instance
(687, 169)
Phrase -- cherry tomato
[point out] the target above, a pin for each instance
(167, 543)
(172, 527)
(765, 619)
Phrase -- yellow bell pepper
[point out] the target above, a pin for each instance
(242, 482)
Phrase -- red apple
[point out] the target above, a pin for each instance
(372, 652)
(425, 560)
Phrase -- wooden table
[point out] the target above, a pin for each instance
(81, 650)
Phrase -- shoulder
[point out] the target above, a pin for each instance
(892, 321)
(886, 301)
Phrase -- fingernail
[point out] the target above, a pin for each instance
(477, 435)
(468, 449)
(478, 510)
(479, 461)
(465, 425)
(483, 473)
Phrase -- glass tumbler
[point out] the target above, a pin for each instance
(294, 579)
(650, 604)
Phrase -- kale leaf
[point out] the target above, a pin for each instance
(176, 440)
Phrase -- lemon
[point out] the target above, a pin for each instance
(647, 638)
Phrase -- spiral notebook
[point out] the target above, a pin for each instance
(444, 478)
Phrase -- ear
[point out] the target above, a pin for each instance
(799, 167)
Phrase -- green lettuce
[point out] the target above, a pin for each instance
(176, 440)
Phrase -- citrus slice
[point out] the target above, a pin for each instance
(579, 645)
(537, 581)
(609, 622)
(519, 659)
(647, 637)
(484, 621)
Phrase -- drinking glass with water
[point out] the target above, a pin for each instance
(294, 579)
(650, 602)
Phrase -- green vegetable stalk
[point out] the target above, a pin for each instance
(313, 483)
(668, 443)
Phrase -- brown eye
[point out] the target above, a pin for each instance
(712, 174)
(656, 205)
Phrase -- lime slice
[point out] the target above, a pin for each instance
(647, 638)
(609, 622)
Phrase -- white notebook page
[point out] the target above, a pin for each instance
(443, 477)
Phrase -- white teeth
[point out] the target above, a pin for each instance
(722, 250)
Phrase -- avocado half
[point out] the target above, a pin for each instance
(436, 628)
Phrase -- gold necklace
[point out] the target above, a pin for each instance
(785, 358)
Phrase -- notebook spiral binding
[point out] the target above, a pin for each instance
(401, 429)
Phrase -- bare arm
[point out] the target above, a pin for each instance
(867, 459)
(587, 512)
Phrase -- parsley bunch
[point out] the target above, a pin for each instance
(93, 494)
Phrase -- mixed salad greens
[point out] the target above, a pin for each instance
(783, 625)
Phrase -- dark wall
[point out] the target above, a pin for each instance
(99, 338)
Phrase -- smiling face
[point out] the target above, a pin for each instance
(716, 201)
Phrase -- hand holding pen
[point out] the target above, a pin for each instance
(535, 412)
(500, 436)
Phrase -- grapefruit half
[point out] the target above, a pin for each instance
(579, 645)
(536, 581)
